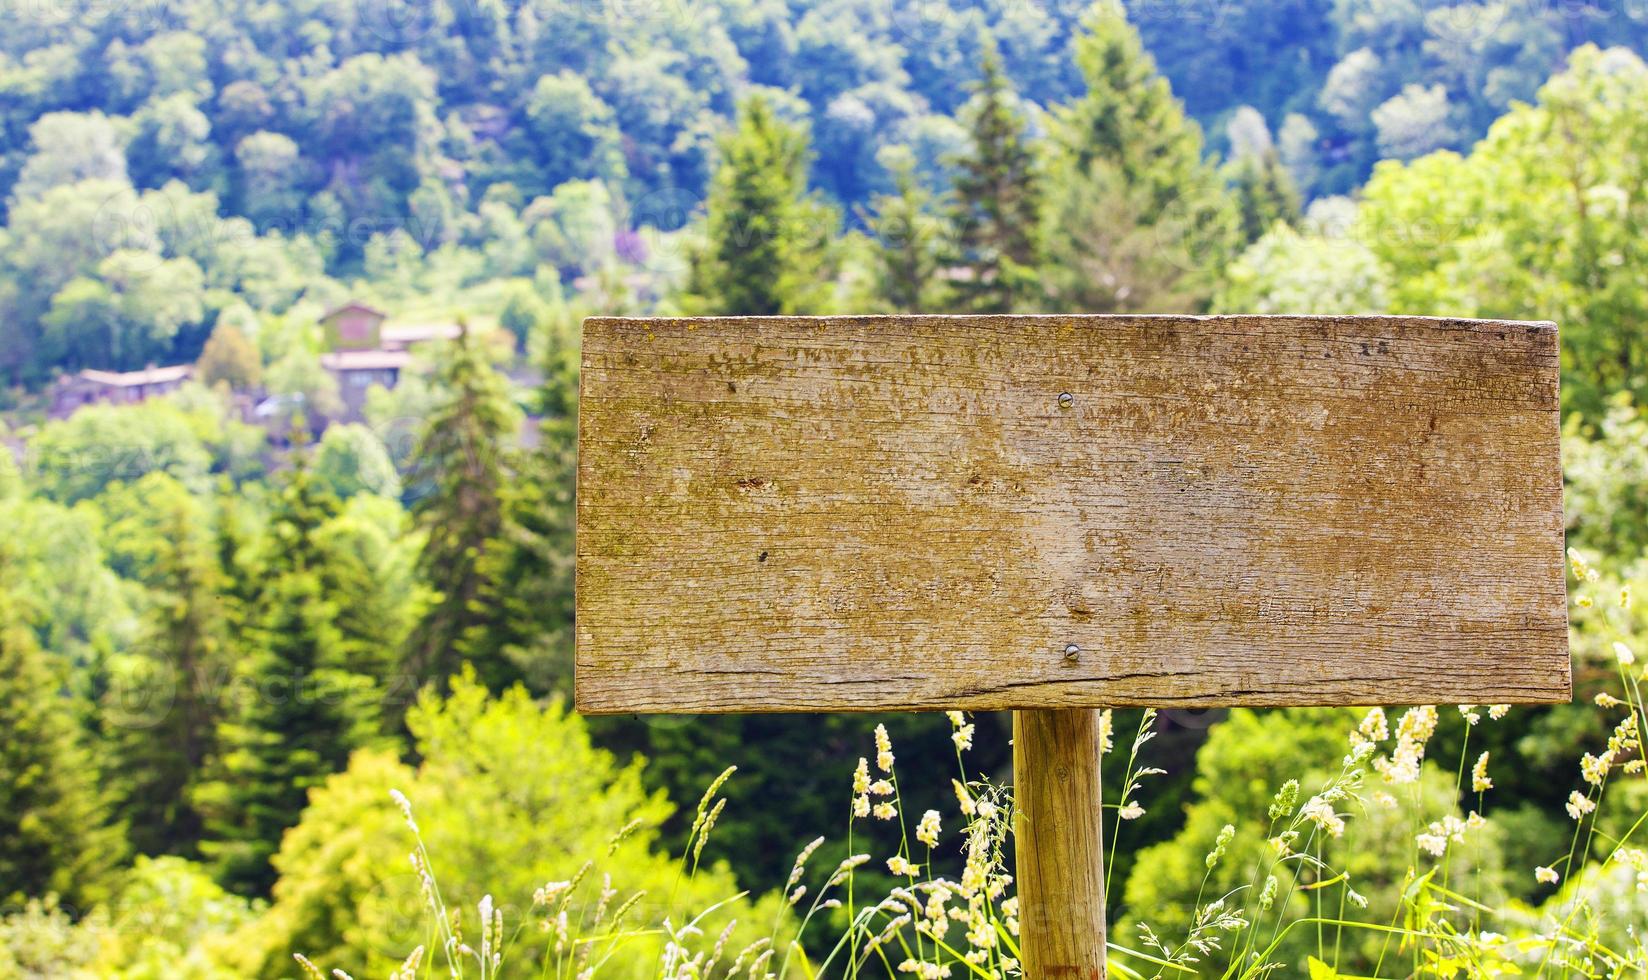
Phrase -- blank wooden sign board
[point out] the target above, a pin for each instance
(1057, 513)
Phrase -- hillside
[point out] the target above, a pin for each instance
(164, 165)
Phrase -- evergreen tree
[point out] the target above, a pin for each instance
(55, 835)
(1265, 194)
(463, 466)
(997, 213)
(240, 581)
(908, 241)
(527, 577)
(1138, 219)
(767, 240)
(164, 711)
(299, 711)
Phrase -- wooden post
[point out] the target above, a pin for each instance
(1060, 839)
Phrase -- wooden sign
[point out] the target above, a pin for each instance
(922, 512)
(1058, 513)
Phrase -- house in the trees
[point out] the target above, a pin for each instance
(365, 348)
(115, 387)
(353, 326)
(358, 370)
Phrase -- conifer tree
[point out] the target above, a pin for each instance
(998, 201)
(767, 240)
(1138, 220)
(527, 578)
(1265, 193)
(298, 710)
(909, 240)
(239, 582)
(165, 711)
(55, 833)
(463, 465)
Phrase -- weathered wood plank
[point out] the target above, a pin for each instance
(865, 513)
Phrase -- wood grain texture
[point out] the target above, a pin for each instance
(858, 513)
(1059, 839)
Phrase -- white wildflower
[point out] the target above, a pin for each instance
(1480, 782)
(1321, 813)
(928, 829)
(406, 808)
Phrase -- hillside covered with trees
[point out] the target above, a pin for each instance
(168, 166)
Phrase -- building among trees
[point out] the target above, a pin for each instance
(115, 387)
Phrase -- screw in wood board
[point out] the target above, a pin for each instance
(1247, 510)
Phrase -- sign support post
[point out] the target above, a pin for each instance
(1060, 843)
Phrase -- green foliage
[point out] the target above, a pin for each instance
(766, 239)
(55, 834)
(574, 131)
(11, 475)
(69, 147)
(56, 567)
(351, 459)
(164, 701)
(1136, 219)
(1245, 762)
(300, 707)
(997, 201)
(1286, 271)
(1537, 221)
(216, 652)
(1605, 482)
(126, 313)
(463, 462)
(162, 925)
(1264, 189)
(909, 246)
(229, 358)
(509, 794)
(76, 458)
(527, 570)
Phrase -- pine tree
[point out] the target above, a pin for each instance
(527, 577)
(908, 242)
(998, 201)
(767, 240)
(165, 712)
(298, 711)
(1139, 220)
(463, 467)
(55, 833)
(1265, 193)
